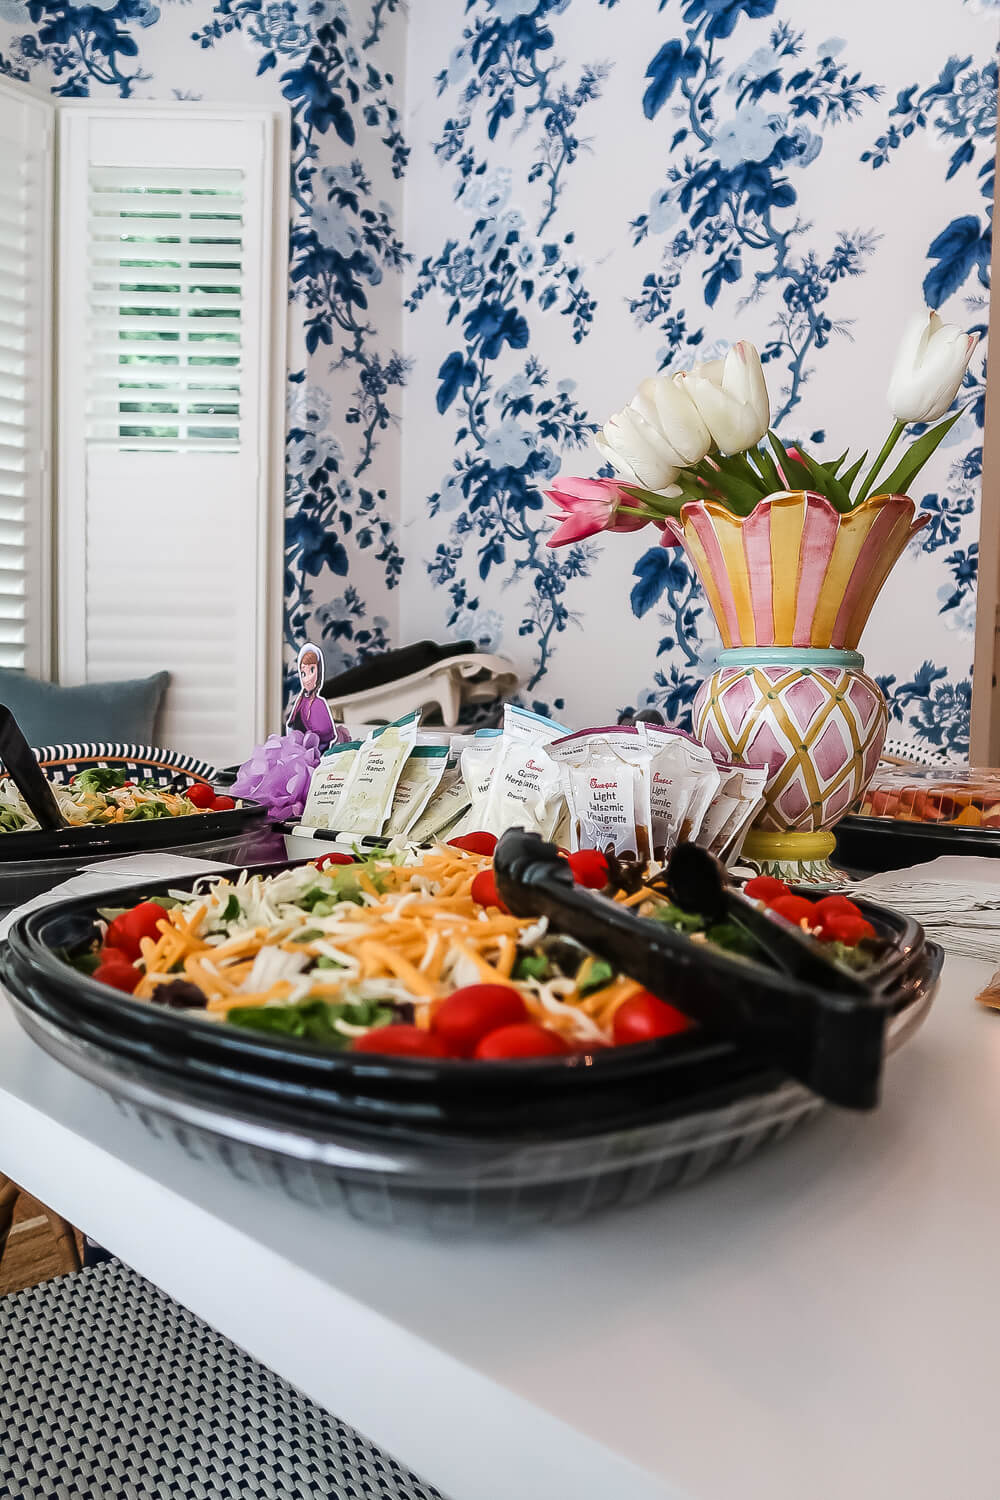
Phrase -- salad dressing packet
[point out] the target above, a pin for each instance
(368, 792)
(445, 807)
(525, 790)
(420, 775)
(478, 762)
(327, 784)
(607, 780)
(745, 797)
(684, 780)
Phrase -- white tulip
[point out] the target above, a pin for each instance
(668, 407)
(637, 450)
(731, 397)
(933, 356)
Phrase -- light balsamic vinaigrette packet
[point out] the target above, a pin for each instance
(606, 778)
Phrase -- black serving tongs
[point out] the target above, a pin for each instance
(26, 773)
(818, 1021)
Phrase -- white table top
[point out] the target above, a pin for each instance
(820, 1324)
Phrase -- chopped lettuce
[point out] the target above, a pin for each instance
(532, 966)
(314, 1020)
(99, 779)
(594, 974)
(231, 910)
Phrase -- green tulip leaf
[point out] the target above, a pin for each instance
(850, 475)
(796, 474)
(826, 483)
(913, 460)
(831, 465)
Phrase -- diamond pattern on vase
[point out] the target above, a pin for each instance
(818, 729)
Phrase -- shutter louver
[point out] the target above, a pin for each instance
(167, 307)
(25, 272)
(166, 386)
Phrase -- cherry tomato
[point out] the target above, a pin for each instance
(835, 902)
(765, 888)
(646, 1016)
(126, 931)
(484, 890)
(222, 804)
(465, 1017)
(475, 843)
(846, 927)
(795, 909)
(590, 868)
(118, 973)
(400, 1041)
(336, 857)
(831, 908)
(200, 794)
(523, 1040)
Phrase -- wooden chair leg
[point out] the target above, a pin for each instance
(65, 1239)
(9, 1193)
(62, 1231)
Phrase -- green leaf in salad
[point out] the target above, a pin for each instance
(733, 938)
(231, 910)
(99, 779)
(328, 963)
(532, 966)
(83, 963)
(11, 821)
(307, 935)
(675, 916)
(313, 1020)
(594, 974)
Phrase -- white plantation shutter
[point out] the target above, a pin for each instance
(25, 372)
(168, 383)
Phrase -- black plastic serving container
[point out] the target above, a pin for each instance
(415, 1143)
(870, 845)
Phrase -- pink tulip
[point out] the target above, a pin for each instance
(589, 506)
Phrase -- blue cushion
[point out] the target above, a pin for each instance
(95, 711)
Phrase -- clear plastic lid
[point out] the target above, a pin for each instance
(960, 797)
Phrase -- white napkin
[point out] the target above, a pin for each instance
(110, 874)
(956, 898)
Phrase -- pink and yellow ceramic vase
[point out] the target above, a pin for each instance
(791, 587)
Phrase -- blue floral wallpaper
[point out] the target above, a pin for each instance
(611, 187)
(341, 74)
(505, 213)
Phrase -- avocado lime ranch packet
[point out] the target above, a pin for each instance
(420, 775)
(368, 792)
(327, 783)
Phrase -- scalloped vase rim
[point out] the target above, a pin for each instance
(716, 507)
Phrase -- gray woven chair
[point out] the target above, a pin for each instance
(111, 1391)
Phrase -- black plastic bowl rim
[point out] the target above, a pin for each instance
(301, 1080)
(131, 838)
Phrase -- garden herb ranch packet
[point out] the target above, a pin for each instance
(327, 784)
(525, 789)
(421, 774)
(368, 792)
